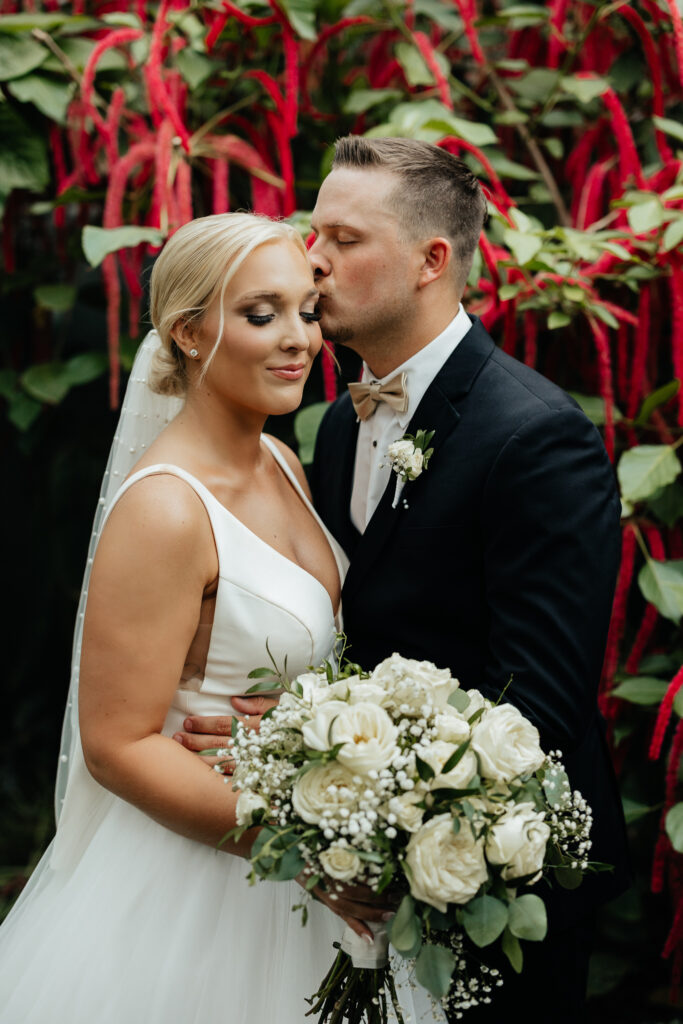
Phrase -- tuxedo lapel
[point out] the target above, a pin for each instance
(339, 481)
(437, 411)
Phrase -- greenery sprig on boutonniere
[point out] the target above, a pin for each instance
(409, 458)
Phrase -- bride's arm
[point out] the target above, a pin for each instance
(154, 561)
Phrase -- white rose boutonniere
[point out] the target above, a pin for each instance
(409, 457)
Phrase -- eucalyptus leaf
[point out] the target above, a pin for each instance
(661, 583)
(459, 700)
(645, 469)
(674, 826)
(643, 690)
(404, 929)
(634, 811)
(484, 919)
(306, 424)
(528, 918)
(568, 878)
(555, 785)
(513, 951)
(434, 968)
(100, 242)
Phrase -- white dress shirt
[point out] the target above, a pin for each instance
(372, 470)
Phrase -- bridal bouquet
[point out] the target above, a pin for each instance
(401, 780)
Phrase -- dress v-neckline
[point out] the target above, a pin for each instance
(161, 467)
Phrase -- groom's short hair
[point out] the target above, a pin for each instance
(437, 194)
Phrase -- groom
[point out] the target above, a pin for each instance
(499, 560)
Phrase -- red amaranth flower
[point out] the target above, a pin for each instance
(605, 378)
(618, 620)
(429, 56)
(664, 715)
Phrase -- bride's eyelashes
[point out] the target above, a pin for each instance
(261, 319)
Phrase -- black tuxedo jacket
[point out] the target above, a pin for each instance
(503, 564)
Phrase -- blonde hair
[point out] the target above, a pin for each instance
(195, 267)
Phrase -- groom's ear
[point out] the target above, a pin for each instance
(437, 256)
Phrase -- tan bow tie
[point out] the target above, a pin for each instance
(366, 395)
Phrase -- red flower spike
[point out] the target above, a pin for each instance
(629, 160)
(428, 55)
(678, 34)
(530, 337)
(605, 378)
(159, 212)
(618, 620)
(183, 191)
(664, 715)
(639, 367)
(642, 639)
(558, 43)
(635, 20)
(468, 13)
(329, 372)
(115, 38)
(220, 182)
(676, 285)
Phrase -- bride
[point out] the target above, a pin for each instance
(208, 549)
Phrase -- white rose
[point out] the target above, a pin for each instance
(452, 726)
(414, 683)
(404, 807)
(368, 734)
(400, 450)
(316, 731)
(366, 691)
(413, 464)
(436, 755)
(324, 787)
(518, 840)
(477, 701)
(445, 867)
(507, 743)
(341, 863)
(248, 802)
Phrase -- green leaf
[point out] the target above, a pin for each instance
(404, 929)
(646, 468)
(673, 235)
(433, 969)
(47, 382)
(301, 16)
(528, 919)
(522, 245)
(78, 50)
(19, 55)
(646, 216)
(84, 368)
(674, 827)
(584, 89)
(306, 424)
(568, 878)
(554, 786)
(484, 918)
(57, 297)
(455, 758)
(506, 168)
(513, 951)
(643, 690)
(594, 408)
(100, 242)
(360, 100)
(558, 319)
(194, 67)
(656, 398)
(633, 811)
(413, 64)
(290, 866)
(509, 291)
(536, 85)
(23, 155)
(667, 503)
(424, 770)
(673, 128)
(605, 315)
(661, 583)
(22, 411)
(49, 96)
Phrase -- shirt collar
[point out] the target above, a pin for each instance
(422, 368)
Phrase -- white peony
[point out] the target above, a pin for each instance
(248, 802)
(445, 867)
(368, 734)
(452, 726)
(366, 691)
(411, 684)
(507, 743)
(436, 755)
(341, 863)
(316, 731)
(324, 787)
(518, 840)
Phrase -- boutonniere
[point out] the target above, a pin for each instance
(409, 458)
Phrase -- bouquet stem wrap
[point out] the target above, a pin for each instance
(364, 955)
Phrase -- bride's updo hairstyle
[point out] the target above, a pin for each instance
(195, 267)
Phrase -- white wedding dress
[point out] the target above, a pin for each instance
(128, 922)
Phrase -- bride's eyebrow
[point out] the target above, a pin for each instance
(312, 293)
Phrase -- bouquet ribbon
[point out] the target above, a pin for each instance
(364, 955)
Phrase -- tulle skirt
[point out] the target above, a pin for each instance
(149, 927)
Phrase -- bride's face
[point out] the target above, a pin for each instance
(270, 333)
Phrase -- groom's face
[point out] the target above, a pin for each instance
(364, 270)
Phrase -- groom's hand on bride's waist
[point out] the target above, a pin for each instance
(212, 732)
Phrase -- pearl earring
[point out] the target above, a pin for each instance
(194, 353)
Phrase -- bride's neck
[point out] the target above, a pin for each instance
(219, 433)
